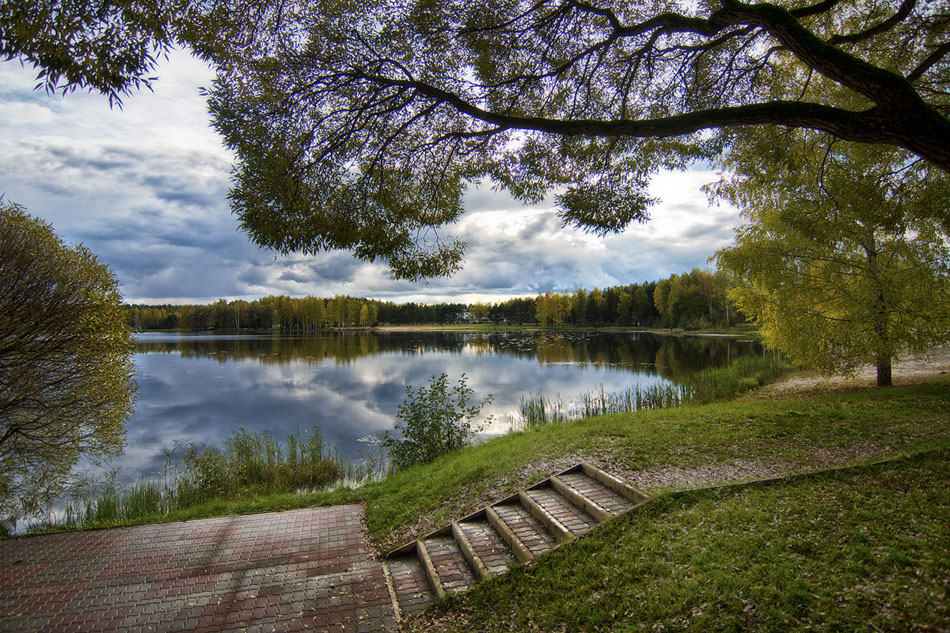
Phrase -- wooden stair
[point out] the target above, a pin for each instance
(514, 530)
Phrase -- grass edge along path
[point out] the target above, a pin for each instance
(860, 549)
(665, 449)
(792, 434)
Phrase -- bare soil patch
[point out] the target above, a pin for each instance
(906, 370)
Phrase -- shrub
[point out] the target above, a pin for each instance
(434, 420)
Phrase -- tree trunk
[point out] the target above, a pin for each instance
(879, 315)
(883, 372)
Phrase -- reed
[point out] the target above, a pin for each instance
(248, 464)
(536, 410)
(707, 386)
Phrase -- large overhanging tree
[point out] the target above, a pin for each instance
(104, 46)
(359, 125)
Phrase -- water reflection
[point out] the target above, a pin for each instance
(673, 358)
(198, 389)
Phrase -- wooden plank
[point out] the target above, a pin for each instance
(412, 546)
(429, 568)
(561, 533)
(620, 487)
(388, 577)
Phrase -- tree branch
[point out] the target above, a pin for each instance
(867, 127)
(929, 62)
(903, 11)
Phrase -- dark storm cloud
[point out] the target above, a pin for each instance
(340, 267)
(253, 276)
(545, 223)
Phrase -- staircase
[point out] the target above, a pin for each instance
(517, 529)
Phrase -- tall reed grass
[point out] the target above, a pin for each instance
(707, 386)
(248, 464)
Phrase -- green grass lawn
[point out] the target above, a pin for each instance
(859, 550)
(796, 435)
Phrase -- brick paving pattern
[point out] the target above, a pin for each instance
(410, 584)
(303, 570)
(531, 533)
(574, 519)
(597, 492)
(489, 546)
(450, 564)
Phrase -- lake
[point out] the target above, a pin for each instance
(199, 388)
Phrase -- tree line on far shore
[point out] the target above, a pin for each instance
(693, 300)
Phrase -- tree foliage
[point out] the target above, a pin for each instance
(433, 420)
(66, 375)
(106, 47)
(845, 259)
(358, 126)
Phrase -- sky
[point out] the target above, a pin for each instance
(145, 188)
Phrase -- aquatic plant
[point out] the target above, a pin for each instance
(248, 464)
(433, 420)
(709, 385)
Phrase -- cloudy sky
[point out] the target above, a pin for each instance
(145, 188)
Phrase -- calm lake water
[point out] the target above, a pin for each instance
(199, 388)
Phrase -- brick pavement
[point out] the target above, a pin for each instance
(309, 569)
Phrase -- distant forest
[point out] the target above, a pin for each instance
(693, 300)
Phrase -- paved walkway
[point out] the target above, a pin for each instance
(306, 569)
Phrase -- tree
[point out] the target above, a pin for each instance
(579, 307)
(359, 126)
(479, 311)
(66, 374)
(845, 260)
(625, 309)
(102, 46)
(642, 306)
(661, 300)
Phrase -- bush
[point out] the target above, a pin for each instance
(433, 421)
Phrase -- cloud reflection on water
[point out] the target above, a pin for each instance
(199, 389)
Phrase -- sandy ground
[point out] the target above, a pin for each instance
(909, 369)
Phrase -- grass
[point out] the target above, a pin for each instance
(864, 549)
(251, 473)
(794, 434)
(709, 385)
(859, 550)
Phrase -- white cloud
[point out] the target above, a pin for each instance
(145, 188)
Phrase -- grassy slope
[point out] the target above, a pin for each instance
(863, 550)
(798, 433)
(860, 550)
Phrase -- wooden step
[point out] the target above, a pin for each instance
(562, 518)
(602, 497)
(488, 545)
(525, 527)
